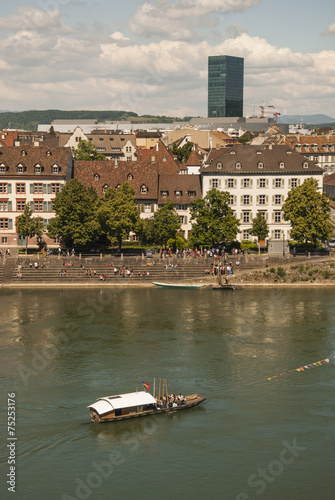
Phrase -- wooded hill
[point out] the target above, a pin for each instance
(29, 120)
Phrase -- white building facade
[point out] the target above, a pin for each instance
(258, 179)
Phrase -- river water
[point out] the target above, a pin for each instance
(252, 437)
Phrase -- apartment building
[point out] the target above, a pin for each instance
(258, 179)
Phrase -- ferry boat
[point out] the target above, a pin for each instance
(137, 404)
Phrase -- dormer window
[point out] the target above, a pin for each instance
(20, 169)
(153, 159)
(332, 147)
(258, 152)
(38, 169)
(130, 177)
(117, 186)
(164, 194)
(48, 153)
(178, 194)
(232, 152)
(23, 153)
(305, 164)
(105, 188)
(238, 165)
(55, 169)
(164, 158)
(260, 165)
(96, 177)
(219, 166)
(191, 194)
(281, 164)
(2, 168)
(144, 189)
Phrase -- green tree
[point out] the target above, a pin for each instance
(260, 228)
(51, 130)
(246, 137)
(308, 212)
(166, 223)
(118, 214)
(214, 220)
(76, 220)
(184, 152)
(86, 151)
(28, 226)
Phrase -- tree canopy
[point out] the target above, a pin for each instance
(118, 214)
(308, 211)
(184, 152)
(214, 221)
(260, 227)
(28, 226)
(166, 223)
(76, 220)
(86, 151)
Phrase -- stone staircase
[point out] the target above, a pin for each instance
(8, 270)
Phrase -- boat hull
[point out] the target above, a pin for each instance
(191, 401)
(176, 285)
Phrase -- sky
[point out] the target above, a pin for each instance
(151, 56)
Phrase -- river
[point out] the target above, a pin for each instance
(251, 438)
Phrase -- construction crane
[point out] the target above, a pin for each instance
(268, 111)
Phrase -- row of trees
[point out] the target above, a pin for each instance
(84, 220)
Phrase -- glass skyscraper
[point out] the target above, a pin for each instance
(225, 86)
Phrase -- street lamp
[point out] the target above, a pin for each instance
(283, 244)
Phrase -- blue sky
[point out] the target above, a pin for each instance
(151, 56)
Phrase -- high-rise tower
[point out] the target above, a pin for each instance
(225, 86)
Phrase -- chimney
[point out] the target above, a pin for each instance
(116, 165)
(157, 146)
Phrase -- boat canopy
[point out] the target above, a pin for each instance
(110, 403)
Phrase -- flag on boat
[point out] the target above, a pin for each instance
(146, 385)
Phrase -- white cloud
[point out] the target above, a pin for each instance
(234, 30)
(48, 70)
(330, 31)
(177, 20)
(30, 19)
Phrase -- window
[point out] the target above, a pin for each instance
(4, 239)
(128, 158)
(4, 223)
(178, 194)
(48, 153)
(215, 183)
(246, 183)
(262, 199)
(20, 205)
(278, 183)
(164, 158)
(2, 169)
(246, 216)
(3, 206)
(147, 207)
(305, 164)
(245, 234)
(277, 234)
(105, 188)
(20, 188)
(219, 165)
(230, 183)
(130, 177)
(55, 169)
(38, 169)
(246, 199)
(181, 207)
(238, 165)
(263, 214)
(3, 187)
(260, 164)
(281, 164)
(55, 187)
(23, 153)
(294, 183)
(277, 217)
(191, 194)
(96, 177)
(144, 189)
(20, 169)
(38, 205)
(38, 187)
(165, 194)
(231, 199)
(262, 183)
(277, 199)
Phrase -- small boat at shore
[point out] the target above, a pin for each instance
(176, 285)
(137, 404)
